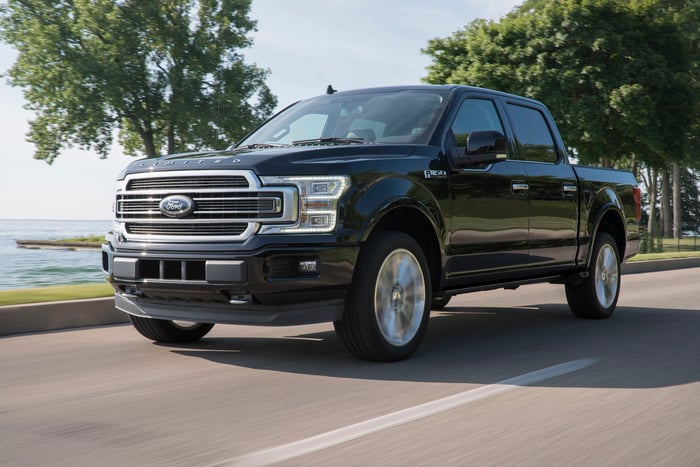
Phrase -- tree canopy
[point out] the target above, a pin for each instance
(617, 75)
(164, 76)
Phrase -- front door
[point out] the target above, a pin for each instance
(489, 207)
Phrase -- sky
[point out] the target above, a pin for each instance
(306, 45)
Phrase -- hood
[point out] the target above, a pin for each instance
(289, 160)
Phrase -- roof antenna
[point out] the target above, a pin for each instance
(330, 90)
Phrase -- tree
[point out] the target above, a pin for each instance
(166, 76)
(616, 77)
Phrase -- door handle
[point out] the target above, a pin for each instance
(569, 190)
(519, 186)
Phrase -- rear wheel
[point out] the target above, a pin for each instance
(161, 330)
(388, 306)
(596, 296)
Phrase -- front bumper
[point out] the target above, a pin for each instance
(283, 285)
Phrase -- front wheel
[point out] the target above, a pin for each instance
(596, 296)
(438, 303)
(388, 306)
(161, 330)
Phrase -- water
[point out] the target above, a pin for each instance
(25, 268)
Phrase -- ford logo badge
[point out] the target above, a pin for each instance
(176, 206)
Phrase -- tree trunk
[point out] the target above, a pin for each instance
(666, 217)
(677, 208)
(652, 210)
(171, 139)
(148, 144)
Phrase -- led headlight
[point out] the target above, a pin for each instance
(318, 203)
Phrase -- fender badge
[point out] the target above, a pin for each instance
(434, 174)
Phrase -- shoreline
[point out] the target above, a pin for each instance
(57, 245)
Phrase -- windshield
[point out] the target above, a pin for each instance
(406, 116)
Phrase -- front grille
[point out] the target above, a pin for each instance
(188, 229)
(225, 205)
(241, 205)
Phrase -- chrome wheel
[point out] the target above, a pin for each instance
(399, 297)
(595, 296)
(388, 306)
(607, 276)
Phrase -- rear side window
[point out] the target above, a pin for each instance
(534, 138)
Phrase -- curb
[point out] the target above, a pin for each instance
(50, 316)
(638, 267)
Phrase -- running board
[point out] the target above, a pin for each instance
(512, 285)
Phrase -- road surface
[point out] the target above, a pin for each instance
(502, 378)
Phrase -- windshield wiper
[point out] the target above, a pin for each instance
(261, 146)
(307, 142)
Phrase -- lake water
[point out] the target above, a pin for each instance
(25, 268)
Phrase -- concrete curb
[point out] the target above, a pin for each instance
(638, 267)
(17, 319)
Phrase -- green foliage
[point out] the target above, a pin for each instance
(169, 76)
(617, 75)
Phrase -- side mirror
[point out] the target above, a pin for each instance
(483, 147)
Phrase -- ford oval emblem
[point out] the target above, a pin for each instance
(176, 206)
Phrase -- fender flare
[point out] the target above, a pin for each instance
(605, 204)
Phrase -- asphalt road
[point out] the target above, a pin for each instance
(503, 378)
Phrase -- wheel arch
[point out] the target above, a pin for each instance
(417, 223)
(608, 217)
(405, 204)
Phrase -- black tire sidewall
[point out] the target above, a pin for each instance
(361, 299)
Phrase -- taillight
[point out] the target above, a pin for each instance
(637, 194)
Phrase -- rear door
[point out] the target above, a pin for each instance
(551, 185)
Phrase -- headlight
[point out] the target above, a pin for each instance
(318, 203)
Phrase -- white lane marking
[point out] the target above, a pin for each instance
(358, 430)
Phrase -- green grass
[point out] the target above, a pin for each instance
(55, 293)
(96, 239)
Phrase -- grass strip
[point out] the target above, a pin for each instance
(55, 293)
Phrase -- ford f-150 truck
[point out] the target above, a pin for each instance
(368, 208)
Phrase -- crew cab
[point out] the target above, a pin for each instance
(368, 208)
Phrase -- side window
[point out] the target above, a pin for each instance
(532, 133)
(475, 115)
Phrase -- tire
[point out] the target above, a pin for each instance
(161, 330)
(438, 303)
(388, 306)
(596, 296)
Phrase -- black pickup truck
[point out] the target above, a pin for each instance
(368, 208)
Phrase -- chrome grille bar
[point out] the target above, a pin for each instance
(227, 205)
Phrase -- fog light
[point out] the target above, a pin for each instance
(318, 220)
(308, 266)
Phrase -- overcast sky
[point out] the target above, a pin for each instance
(305, 44)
